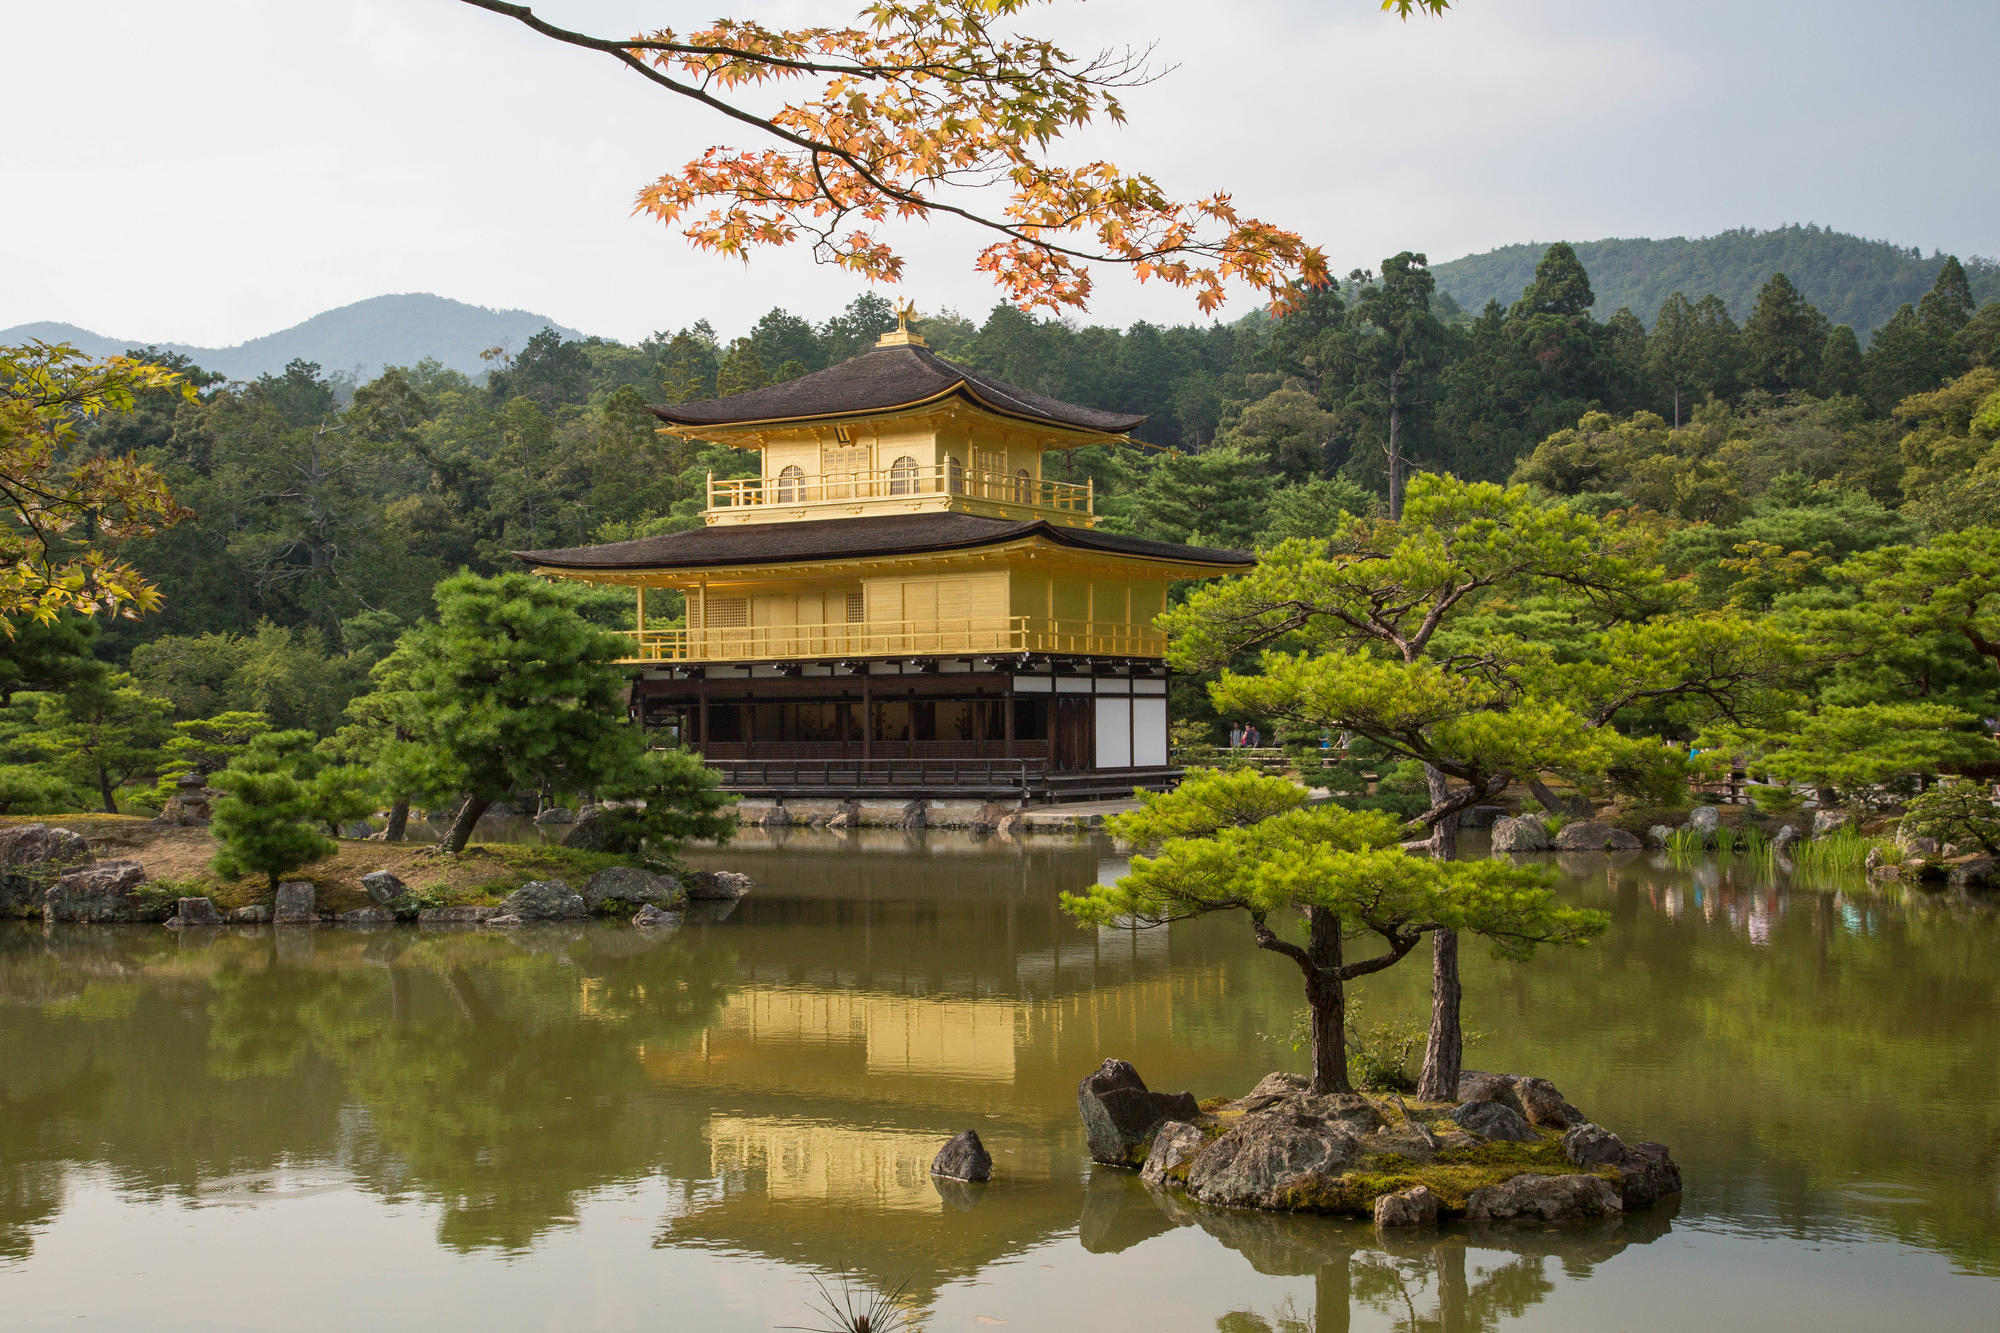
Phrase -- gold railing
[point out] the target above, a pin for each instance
(890, 483)
(976, 634)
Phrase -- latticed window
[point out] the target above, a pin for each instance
(856, 608)
(903, 476)
(954, 475)
(728, 612)
(1024, 487)
(791, 484)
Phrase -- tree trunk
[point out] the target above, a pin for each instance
(1333, 1295)
(1444, 833)
(1395, 449)
(461, 826)
(1576, 807)
(1326, 1003)
(399, 820)
(1677, 407)
(1445, 1049)
(1454, 1292)
(104, 790)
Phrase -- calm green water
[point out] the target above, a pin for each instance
(590, 1129)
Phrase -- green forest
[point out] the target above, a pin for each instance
(1759, 459)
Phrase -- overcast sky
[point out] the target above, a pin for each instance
(206, 171)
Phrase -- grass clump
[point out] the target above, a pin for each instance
(1453, 1175)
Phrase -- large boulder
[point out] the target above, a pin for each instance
(194, 914)
(1525, 834)
(456, 916)
(718, 886)
(104, 893)
(1413, 1207)
(963, 1157)
(1545, 1199)
(1494, 1120)
(556, 814)
(1273, 1160)
(629, 884)
(1537, 1099)
(1705, 820)
(32, 858)
(1786, 835)
(1826, 821)
(541, 900)
(1646, 1174)
(383, 888)
(1590, 835)
(257, 914)
(650, 917)
(1175, 1144)
(367, 917)
(1120, 1114)
(1659, 835)
(587, 833)
(1973, 872)
(296, 905)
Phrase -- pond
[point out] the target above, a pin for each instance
(587, 1128)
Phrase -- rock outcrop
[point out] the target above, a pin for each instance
(194, 914)
(1545, 1199)
(1590, 835)
(629, 884)
(650, 917)
(32, 858)
(1413, 1207)
(963, 1157)
(1525, 834)
(1826, 821)
(1120, 1114)
(1646, 1174)
(1512, 1148)
(104, 894)
(383, 888)
(1705, 820)
(540, 900)
(718, 886)
(297, 904)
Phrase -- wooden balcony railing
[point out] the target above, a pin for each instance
(937, 479)
(976, 634)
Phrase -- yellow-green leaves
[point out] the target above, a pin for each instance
(1208, 801)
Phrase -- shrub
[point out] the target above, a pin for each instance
(1954, 811)
(261, 821)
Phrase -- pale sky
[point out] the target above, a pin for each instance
(207, 171)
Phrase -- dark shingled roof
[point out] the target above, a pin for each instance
(886, 378)
(836, 538)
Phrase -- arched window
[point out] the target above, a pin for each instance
(954, 475)
(791, 484)
(1024, 487)
(903, 476)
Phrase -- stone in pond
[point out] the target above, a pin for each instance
(101, 894)
(1175, 1144)
(296, 904)
(1705, 820)
(455, 916)
(541, 900)
(367, 916)
(257, 914)
(632, 885)
(1120, 1114)
(963, 1157)
(723, 886)
(1659, 835)
(1525, 834)
(1272, 1160)
(1544, 1106)
(1592, 835)
(650, 917)
(1646, 1173)
(1494, 1120)
(505, 920)
(1545, 1199)
(383, 888)
(1413, 1207)
(195, 913)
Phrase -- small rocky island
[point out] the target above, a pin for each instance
(1511, 1147)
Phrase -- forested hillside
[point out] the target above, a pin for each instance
(1853, 281)
(355, 340)
(325, 514)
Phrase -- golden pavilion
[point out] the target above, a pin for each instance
(903, 601)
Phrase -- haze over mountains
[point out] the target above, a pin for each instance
(1854, 281)
(357, 339)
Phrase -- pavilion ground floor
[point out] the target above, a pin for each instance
(1027, 729)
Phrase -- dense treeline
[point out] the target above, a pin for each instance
(1857, 282)
(1768, 451)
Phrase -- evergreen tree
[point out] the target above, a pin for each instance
(100, 734)
(1782, 339)
(1906, 357)
(1677, 355)
(688, 373)
(1840, 364)
(516, 692)
(261, 820)
(740, 371)
(1394, 347)
(779, 338)
(1948, 305)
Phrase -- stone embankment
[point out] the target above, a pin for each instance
(1510, 1148)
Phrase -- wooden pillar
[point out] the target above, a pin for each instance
(701, 694)
(1007, 721)
(867, 713)
(642, 620)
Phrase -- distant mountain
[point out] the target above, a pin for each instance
(357, 339)
(1854, 281)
